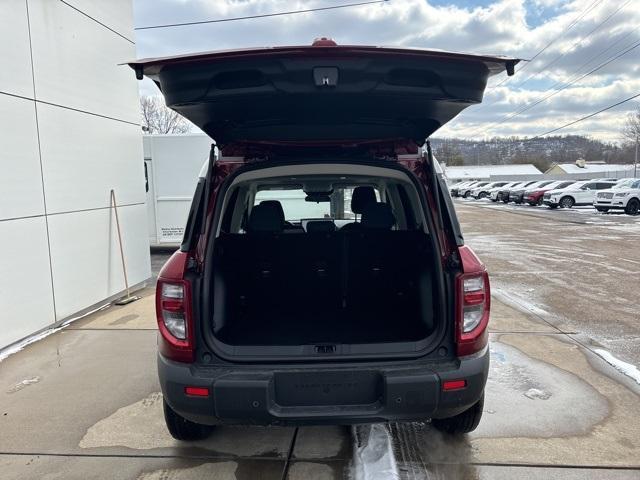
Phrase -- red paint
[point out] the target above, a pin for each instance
(535, 195)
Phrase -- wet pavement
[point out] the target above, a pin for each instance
(85, 402)
(576, 269)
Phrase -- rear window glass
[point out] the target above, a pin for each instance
(298, 206)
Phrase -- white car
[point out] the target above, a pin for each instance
(623, 196)
(455, 189)
(483, 192)
(580, 193)
(465, 192)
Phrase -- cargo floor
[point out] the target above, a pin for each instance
(303, 329)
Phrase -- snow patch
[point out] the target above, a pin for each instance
(537, 394)
(518, 302)
(626, 368)
(23, 384)
(17, 347)
(373, 454)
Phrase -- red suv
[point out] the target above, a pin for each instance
(323, 277)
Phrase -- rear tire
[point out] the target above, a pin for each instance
(466, 194)
(539, 202)
(566, 202)
(464, 422)
(633, 207)
(182, 429)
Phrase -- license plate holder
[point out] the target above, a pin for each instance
(297, 389)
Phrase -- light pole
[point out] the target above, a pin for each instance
(635, 162)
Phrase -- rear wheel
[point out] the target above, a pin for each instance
(464, 422)
(633, 207)
(482, 195)
(182, 429)
(466, 194)
(566, 202)
(602, 209)
(539, 202)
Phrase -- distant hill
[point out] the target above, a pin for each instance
(541, 152)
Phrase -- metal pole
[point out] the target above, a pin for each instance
(128, 298)
(635, 162)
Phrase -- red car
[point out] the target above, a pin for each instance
(535, 196)
(323, 277)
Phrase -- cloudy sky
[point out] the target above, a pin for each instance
(580, 36)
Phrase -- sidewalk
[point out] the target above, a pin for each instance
(85, 403)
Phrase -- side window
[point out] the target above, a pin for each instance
(589, 186)
(603, 186)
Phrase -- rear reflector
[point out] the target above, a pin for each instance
(449, 385)
(197, 391)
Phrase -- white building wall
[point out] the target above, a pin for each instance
(69, 133)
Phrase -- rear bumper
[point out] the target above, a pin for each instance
(269, 396)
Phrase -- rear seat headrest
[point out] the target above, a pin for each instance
(267, 216)
(361, 197)
(315, 226)
(378, 216)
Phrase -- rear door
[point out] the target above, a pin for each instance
(321, 95)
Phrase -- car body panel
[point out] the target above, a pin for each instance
(485, 190)
(327, 95)
(534, 196)
(581, 193)
(618, 197)
(293, 105)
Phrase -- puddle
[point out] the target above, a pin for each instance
(374, 458)
(535, 399)
(141, 426)
(219, 471)
(124, 319)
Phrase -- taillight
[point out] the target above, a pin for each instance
(473, 302)
(173, 310)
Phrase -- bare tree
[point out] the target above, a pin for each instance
(158, 118)
(631, 127)
(631, 132)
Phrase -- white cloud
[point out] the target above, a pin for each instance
(501, 27)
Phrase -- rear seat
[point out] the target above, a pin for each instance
(359, 272)
(383, 264)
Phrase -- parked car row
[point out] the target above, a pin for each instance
(603, 193)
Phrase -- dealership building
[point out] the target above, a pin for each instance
(70, 133)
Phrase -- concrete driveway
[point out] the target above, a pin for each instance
(85, 403)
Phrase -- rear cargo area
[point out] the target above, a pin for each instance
(323, 288)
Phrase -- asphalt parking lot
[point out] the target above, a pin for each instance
(85, 403)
